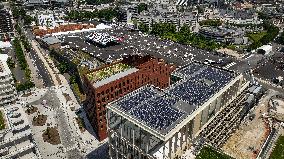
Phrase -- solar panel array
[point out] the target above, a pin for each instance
(195, 91)
(190, 69)
(157, 112)
(136, 99)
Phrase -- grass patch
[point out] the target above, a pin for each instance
(209, 153)
(2, 121)
(256, 36)
(278, 152)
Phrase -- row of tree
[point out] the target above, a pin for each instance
(23, 65)
(106, 14)
(20, 54)
(20, 13)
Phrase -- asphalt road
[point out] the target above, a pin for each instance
(41, 70)
(37, 62)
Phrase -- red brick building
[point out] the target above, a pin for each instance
(113, 81)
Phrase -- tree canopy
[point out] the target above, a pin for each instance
(142, 7)
(281, 38)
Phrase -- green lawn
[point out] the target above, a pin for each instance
(209, 153)
(2, 124)
(257, 36)
(278, 152)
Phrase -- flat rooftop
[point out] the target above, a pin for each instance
(199, 83)
(161, 111)
(110, 73)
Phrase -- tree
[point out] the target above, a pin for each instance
(10, 63)
(143, 27)
(28, 20)
(185, 29)
(142, 7)
(281, 38)
(62, 67)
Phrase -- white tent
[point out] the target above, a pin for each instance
(4, 44)
(265, 49)
(103, 26)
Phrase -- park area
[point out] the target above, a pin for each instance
(255, 37)
(210, 153)
(278, 151)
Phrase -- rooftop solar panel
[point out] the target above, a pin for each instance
(200, 88)
(136, 99)
(190, 69)
(158, 112)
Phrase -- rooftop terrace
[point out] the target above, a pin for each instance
(107, 72)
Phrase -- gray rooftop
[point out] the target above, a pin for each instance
(51, 40)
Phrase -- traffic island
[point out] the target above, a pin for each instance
(40, 120)
(51, 136)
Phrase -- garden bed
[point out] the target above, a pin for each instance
(67, 97)
(2, 121)
(40, 120)
(31, 110)
(51, 136)
(81, 124)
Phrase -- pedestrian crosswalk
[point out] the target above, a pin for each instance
(229, 65)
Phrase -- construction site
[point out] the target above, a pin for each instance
(256, 133)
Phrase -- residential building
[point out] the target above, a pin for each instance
(16, 139)
(7, 89)
(6, 26)
(178, 20)
(224, 35)
(154, 124)
(113, 81)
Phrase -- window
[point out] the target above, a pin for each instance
(123, 83)
(119, 85)
(107, 91)
(127, 81)
(111, 89)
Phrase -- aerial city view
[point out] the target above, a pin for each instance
(141, 79)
